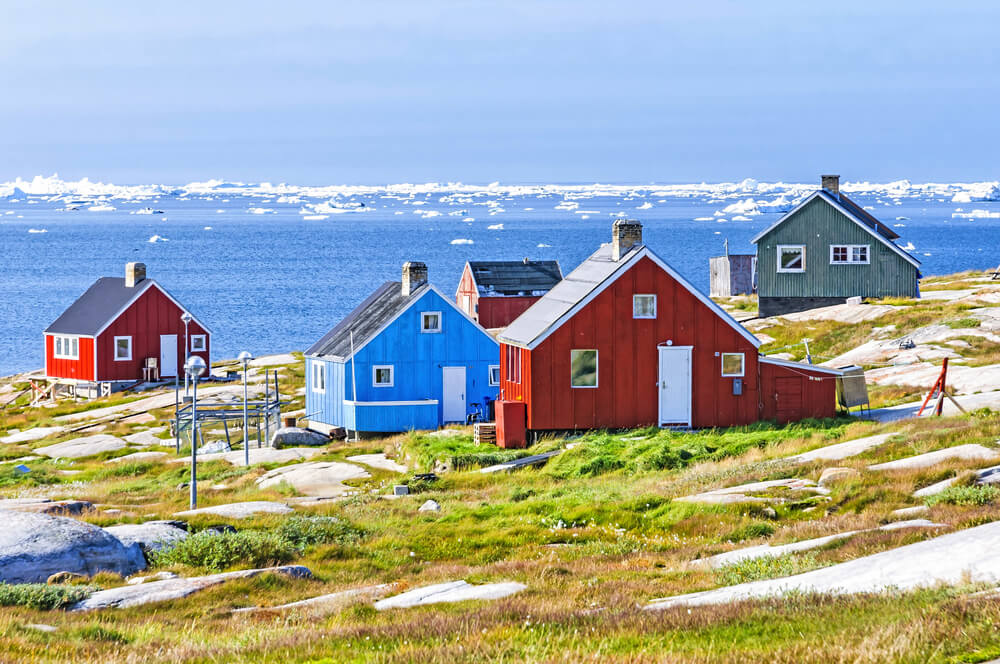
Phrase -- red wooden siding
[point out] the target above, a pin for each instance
(515, 373)
(150, 316)
(467, 286)
(79, 369)
(495, 312)
(791, 394)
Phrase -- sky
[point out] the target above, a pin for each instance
(517, 91)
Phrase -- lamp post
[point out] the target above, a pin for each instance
(245, 358)
(194, 368)
(186, 318)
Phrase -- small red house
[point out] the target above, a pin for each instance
(494, 293)
(116, 327)
(625, 341)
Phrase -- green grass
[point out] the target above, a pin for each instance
(964, 496)
(42, 597)
(963, 323)
(767, 567)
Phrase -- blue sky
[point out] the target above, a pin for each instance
(419, 90)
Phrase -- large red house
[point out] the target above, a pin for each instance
(625, 341)
(494, 293)
(118, 328)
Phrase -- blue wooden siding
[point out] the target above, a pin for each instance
(417, 359)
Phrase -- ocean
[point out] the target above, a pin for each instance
(272, 268)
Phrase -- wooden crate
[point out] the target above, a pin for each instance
(485, 432)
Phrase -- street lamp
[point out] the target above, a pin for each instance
(245, 358)
(186, 318)
(193, 369)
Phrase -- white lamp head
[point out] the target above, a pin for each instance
(244, 357)
(195, 366)
(186, 318)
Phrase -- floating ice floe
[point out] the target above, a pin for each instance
(495, 227)
(542, 245)
(462, 240)
(102, 207)
(157, 238)
(315, 217)
(469, 219)
(146, 210)
(645, 206)
(38, 230)
(741, 217)
(909, 247)
(207, 228)
(260, 210)
(704, 218)
(976, 214)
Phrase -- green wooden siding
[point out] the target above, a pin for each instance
(817, 226)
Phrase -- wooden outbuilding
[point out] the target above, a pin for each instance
(496, 292)
(625, 341)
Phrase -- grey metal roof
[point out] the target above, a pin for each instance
(366, 320)
(515, 277)
(92, 310)
(862, 214)
(552, 306)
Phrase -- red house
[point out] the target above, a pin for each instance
(625, 341)
(118, 328)
(496, 292)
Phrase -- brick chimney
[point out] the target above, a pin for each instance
(625, 234)
(134, 273)
(831, 183)
(414, 276)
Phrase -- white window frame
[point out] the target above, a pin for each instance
(204, 343)
(60, 340)
(494, 382)
(392, 375)
(597, 369)
(802, 248)
(743, 365)
(423, 322)
(123, 359)
(635, 299)
(319, 377)
(850, 254)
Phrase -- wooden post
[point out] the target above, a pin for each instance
(944, 378)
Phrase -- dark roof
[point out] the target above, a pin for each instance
(366, 320)
(95, 308)
(863, 214)
(515, 277)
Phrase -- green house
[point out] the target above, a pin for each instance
(829, 249)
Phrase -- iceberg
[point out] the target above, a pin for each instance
(462, 240)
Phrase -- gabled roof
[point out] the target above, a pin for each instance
(511, 278)
(102, 304)
(852, 211)
(585, 283)
(373, 315)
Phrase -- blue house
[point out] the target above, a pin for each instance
(406, 358)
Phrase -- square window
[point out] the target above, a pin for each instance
(198, 343)
(494, 374)
(732, 364)
(583, 368)
(382, 375)
(430, 321)
(859, 254)
(839, 254)
(791, 258)
(123, 348)
(643, 306)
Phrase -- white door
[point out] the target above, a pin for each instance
(168, 355)
(453, 394)
(675, 385)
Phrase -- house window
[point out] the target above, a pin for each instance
(791, 258)
(513, 372)
(67, 348)
(583, 368)
(382, 375)
(467, 304)
(123, 348)
(848, 254)
(318, 377)
(430, 321)
(643, 306)
(494, 374)
(732, 365)
(199, 343)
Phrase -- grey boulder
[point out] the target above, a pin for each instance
(292, 436)
(150, 536)
(35, 546)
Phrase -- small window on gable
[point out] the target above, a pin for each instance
(732, 365)
(494, 374)
(430, 321)
(849, 254)
(318, 377)
(583, 368)
(198, 343)
(791, 258)
(643, 306)
(123, 348)
(382, 375)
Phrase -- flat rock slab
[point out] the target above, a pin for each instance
(741, 492)
(454, 591)
(162, 591)
(966, 556)
(968, 452)
(523, 462)
(138, 456)
(15, 436)
(257, 455)
(315, 478)
(150, 536)
(970, 402)
(989, 475)
(286, 436)
(378, 461)
(274, 360)
(240, 510)
(35, 546)
(83, 447)
(844, 313)
(326, 603)
(149, 438)
(46, 506)
(843, 450)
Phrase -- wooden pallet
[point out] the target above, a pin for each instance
(485, 433)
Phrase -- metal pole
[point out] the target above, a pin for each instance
(194, 444)
(177, 418)
(267, 406)
(246, 430)
(186, 356)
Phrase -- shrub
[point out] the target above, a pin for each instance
(750, 531)
(965, 496)
(213, 551)
(305, 531)
(963, 323)
(768, 567)
(41, 596)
